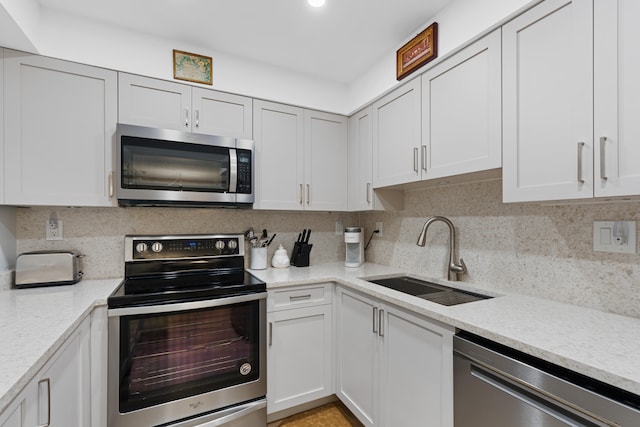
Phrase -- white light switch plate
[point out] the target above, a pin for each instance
(605, 239)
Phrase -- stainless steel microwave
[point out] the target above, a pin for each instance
(160, 167)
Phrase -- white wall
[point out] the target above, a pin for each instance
(124, 50)
(19, 24)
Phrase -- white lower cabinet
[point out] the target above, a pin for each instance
(393, 368)
(60, 394)
(300, 345)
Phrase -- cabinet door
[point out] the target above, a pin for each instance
(278, 135)
(219, 113)
(21, 412)
(548, 102)
(396, 136)
(461, 112)
(64, 385)
(325, 152)
(617, 98)
(360, 158)
(417, 371)
(60, 119)
(357, 370)
(299, 357)
(154, 103)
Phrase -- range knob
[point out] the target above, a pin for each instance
(232, 244)
(220, 245)
(156, 247)
(141, 247)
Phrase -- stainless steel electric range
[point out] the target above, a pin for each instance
(187, 335)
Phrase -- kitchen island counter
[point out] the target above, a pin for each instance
(601, 345)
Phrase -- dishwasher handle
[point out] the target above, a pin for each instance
(552, 405)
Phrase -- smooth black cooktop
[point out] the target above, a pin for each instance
(171, 288)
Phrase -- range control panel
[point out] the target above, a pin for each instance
(139, 248)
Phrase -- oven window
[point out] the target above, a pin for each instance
(160, 165)
(164, 357)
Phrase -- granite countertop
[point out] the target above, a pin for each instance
(600, 345)
(35, 322)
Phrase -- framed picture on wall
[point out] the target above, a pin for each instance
(192, 67)
(417, 51)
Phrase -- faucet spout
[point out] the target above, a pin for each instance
(454, 268)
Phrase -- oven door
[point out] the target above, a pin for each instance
(171, 362)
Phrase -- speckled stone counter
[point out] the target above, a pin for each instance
(601, 345)
(35, 322)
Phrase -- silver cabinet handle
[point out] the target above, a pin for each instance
(308, 194)
(415, 159)
(299, 297)
(380, 323)
(186, 117)
(368, 193)
(270, 333)
(301, 194)
(424, 157)
(603, 163)
(375, 319)
(580, 176)
(111, 184)
(47, 383)
(197, 118)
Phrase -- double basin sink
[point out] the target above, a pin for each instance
(434, 292)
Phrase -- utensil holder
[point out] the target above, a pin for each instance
(300, 254)
(258, 259)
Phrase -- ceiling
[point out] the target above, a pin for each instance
(337, 42)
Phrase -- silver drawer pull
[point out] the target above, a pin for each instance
(375, 319)
(299, 297)
(415, 159)
(47, 387)
(380, 323)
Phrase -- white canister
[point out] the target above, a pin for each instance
(280, 258)
(258, 259)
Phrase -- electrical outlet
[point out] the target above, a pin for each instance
(339, 228)
(54, 229)
(379, 228)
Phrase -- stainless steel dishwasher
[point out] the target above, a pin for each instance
(496, 386)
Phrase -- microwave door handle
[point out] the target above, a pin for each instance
(233, 172)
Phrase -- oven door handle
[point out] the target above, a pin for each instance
(183, 306)
(224, 417)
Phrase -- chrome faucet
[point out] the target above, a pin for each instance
(454, 269)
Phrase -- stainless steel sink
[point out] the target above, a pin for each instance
(434, 292)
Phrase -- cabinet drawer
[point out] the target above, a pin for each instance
(299, 296)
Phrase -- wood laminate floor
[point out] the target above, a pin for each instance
(334, 414)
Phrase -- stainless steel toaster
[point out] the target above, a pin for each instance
(47, 268)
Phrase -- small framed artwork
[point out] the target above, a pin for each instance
(417, 52)
(192, 67)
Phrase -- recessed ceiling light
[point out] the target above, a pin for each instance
(316, 3)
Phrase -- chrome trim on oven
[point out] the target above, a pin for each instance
(257, 409)
(183, 306)
(233, 170)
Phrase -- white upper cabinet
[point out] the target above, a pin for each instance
(301, 158)
(154, 103)
(396, 136)
(548, 102)
(60, 118)
(360, 158)
(461, 112)
(169, 105)
(325, 165)
(617, 98)
(279, 172)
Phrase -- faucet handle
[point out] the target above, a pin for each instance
(458, 268)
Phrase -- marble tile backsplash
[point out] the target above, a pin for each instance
(99, 232)
(530, 248)
(533, 249)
